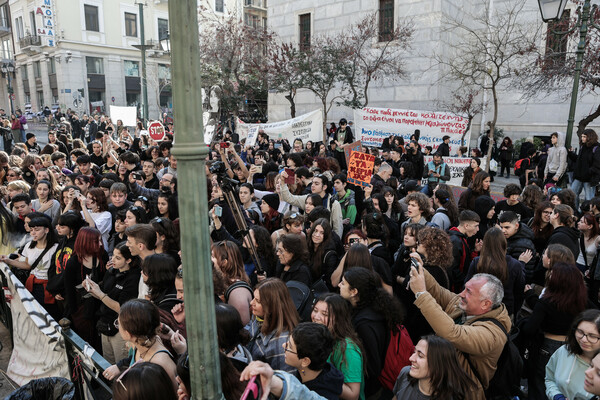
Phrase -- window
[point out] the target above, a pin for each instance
(304, 31)
(6, 50)
(23, 70)
(37, 70)
(91, 18)
(33, 24)
(40, 99)
(164, 71)
(386, 19)
(130, 24)
(19, 26)
(52, 66)
(219, 6)
(132, 68)
(4, 21)
(163, 28)
(556, 44)
(95, 65)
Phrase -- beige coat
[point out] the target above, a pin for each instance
(482, 341)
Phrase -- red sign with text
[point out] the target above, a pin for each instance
(156, 130)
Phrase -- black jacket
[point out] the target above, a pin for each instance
(298, 271)
(444, 150)
(417, 161)
(520, 242)
(568, 237)
(328, 383)
(373, 333)
(587, 166)
(461, 259)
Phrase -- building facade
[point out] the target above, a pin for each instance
(80, 54)
(7, 64)
(422, 89)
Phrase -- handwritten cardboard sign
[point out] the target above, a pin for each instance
(356, 146)
(360, 168)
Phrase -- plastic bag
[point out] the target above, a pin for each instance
(45, 388)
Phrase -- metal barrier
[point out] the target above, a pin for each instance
(85, 365)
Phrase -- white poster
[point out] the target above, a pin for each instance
(373, 125)
(39, 347)
(126, 114)
(305, 127)
(457, 167)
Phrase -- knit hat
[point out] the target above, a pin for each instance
(272, 200)
(29, 135)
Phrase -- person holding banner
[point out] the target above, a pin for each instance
(343, 136)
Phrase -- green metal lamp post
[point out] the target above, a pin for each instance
(552, 10)
(191, 153)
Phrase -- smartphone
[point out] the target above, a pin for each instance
(291, 176)
(218, 211)
(258, 169)
(224, 145)
(414, 263)
(136, 175)
(77, 193)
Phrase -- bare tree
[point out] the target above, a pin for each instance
(372, 57)
(158, 82)
(464, 103)
(323, 67)
(284, 73)
(492, 49)
(552, 73)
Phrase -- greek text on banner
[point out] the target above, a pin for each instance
(373, 125)
(304, 127)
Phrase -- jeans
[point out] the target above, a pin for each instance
(577, 186)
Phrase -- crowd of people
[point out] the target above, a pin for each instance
(327, 277)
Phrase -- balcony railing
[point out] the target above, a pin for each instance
(258, 4)
(30, 41)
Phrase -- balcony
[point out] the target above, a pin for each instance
(31, 44)
(256, 4)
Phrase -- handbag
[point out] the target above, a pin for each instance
(25, 126)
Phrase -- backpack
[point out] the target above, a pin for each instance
(505, 384)
(519, 167)
(399, 350)
(304, 297)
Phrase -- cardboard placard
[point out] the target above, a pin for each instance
(360, 168)
(356, 146)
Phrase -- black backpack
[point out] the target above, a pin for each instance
(302, 297)
(505, 384)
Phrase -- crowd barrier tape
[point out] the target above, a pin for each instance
(42, 348)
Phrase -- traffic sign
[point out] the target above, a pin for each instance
(156, 131)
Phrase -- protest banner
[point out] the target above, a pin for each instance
(38, 346)
(304, 127)
(360, 168)
(373, 125)
(457, 167)
(356, 146)
(126, 114)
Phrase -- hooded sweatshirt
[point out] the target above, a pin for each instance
(565, 375)
(568, 237)
(557, 158)
(483, 205)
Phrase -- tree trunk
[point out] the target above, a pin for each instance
(324, 121)
(290, 98)
(587, 120)
(462, 138)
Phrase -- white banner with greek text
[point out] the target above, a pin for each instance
(373, 125)
(304, 127)
(457, 167)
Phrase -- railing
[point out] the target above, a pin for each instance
(30, 40)
(85, 365)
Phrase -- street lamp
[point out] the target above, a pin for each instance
(8, 69)
(552, 10)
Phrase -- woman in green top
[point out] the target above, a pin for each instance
(333, 311)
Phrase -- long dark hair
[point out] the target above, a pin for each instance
(339, 323)
(161, 270)
(446, 201)
(565, 288)
(493, 255)
(264, 246)
(371, 294)
(316, 254)
(447, 378)
(45, 222)
(7, 223)
(592, 316)
(477, 185)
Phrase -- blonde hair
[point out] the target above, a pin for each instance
(19, 185)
